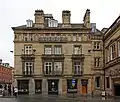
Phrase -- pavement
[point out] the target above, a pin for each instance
(54, 98)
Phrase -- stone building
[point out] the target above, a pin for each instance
(112, 58)
(49, 56)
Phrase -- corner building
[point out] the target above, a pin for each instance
(48, 55)
(112, 58)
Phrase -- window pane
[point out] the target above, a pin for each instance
(58, 50)
(79, 37)
(58, 66)
(77, 50)
(74, 37)
(28, 49)
(48, 50)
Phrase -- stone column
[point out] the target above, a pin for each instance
(89, 87)
(31, 86)
(64, 87)
(44, 86)
(15, 83)
(78, 86)
(60, 87)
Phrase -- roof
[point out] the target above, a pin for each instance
(73, 25)
(113, 24)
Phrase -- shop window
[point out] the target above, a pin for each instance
(70, 88)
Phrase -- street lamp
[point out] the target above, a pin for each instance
(12, 77)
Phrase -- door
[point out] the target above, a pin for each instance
(117, 90)
(84, 89)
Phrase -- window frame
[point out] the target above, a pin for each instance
(58, 48)
(28, 50)
(79, 37)
(74, 37)
(28, 68)
(97, 81)
(47, 46)
(50, 67)
(59, 69)
(77, 68)
(25, 37)
(97, 61)
(112, 52)
(79, 50)
(97, 45)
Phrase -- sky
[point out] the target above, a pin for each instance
(16, 12)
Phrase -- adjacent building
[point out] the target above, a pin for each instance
(58, 58)
(5, 75)
(112, 58)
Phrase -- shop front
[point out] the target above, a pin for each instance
(23, 86)
(53, 86)
(72, 86)
(38, 86)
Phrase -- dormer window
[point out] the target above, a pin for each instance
(52, 23)
(29, 23)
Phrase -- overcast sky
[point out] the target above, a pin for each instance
(16, 12)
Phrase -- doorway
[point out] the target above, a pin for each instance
(84, 83)
(53, 86)
(84, 89)
(117, 90)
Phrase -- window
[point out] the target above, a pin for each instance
(107, 82)
(119, 48)
(57, 50)
(77, 67)
(58, 67)
(28, 68)
(77, 50)
(25, 37)
(48, 49)
(74, 37)
(97, 45)
(79, 37)
(31, 37)
(97, 62)
(48, 67)
(97, 80)
(112, 50)
(107, 55)
(28, 49)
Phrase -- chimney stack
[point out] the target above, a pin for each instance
(39, 18)
(66, 21)
(87, 18)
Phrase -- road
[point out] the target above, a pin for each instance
(56, 99)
